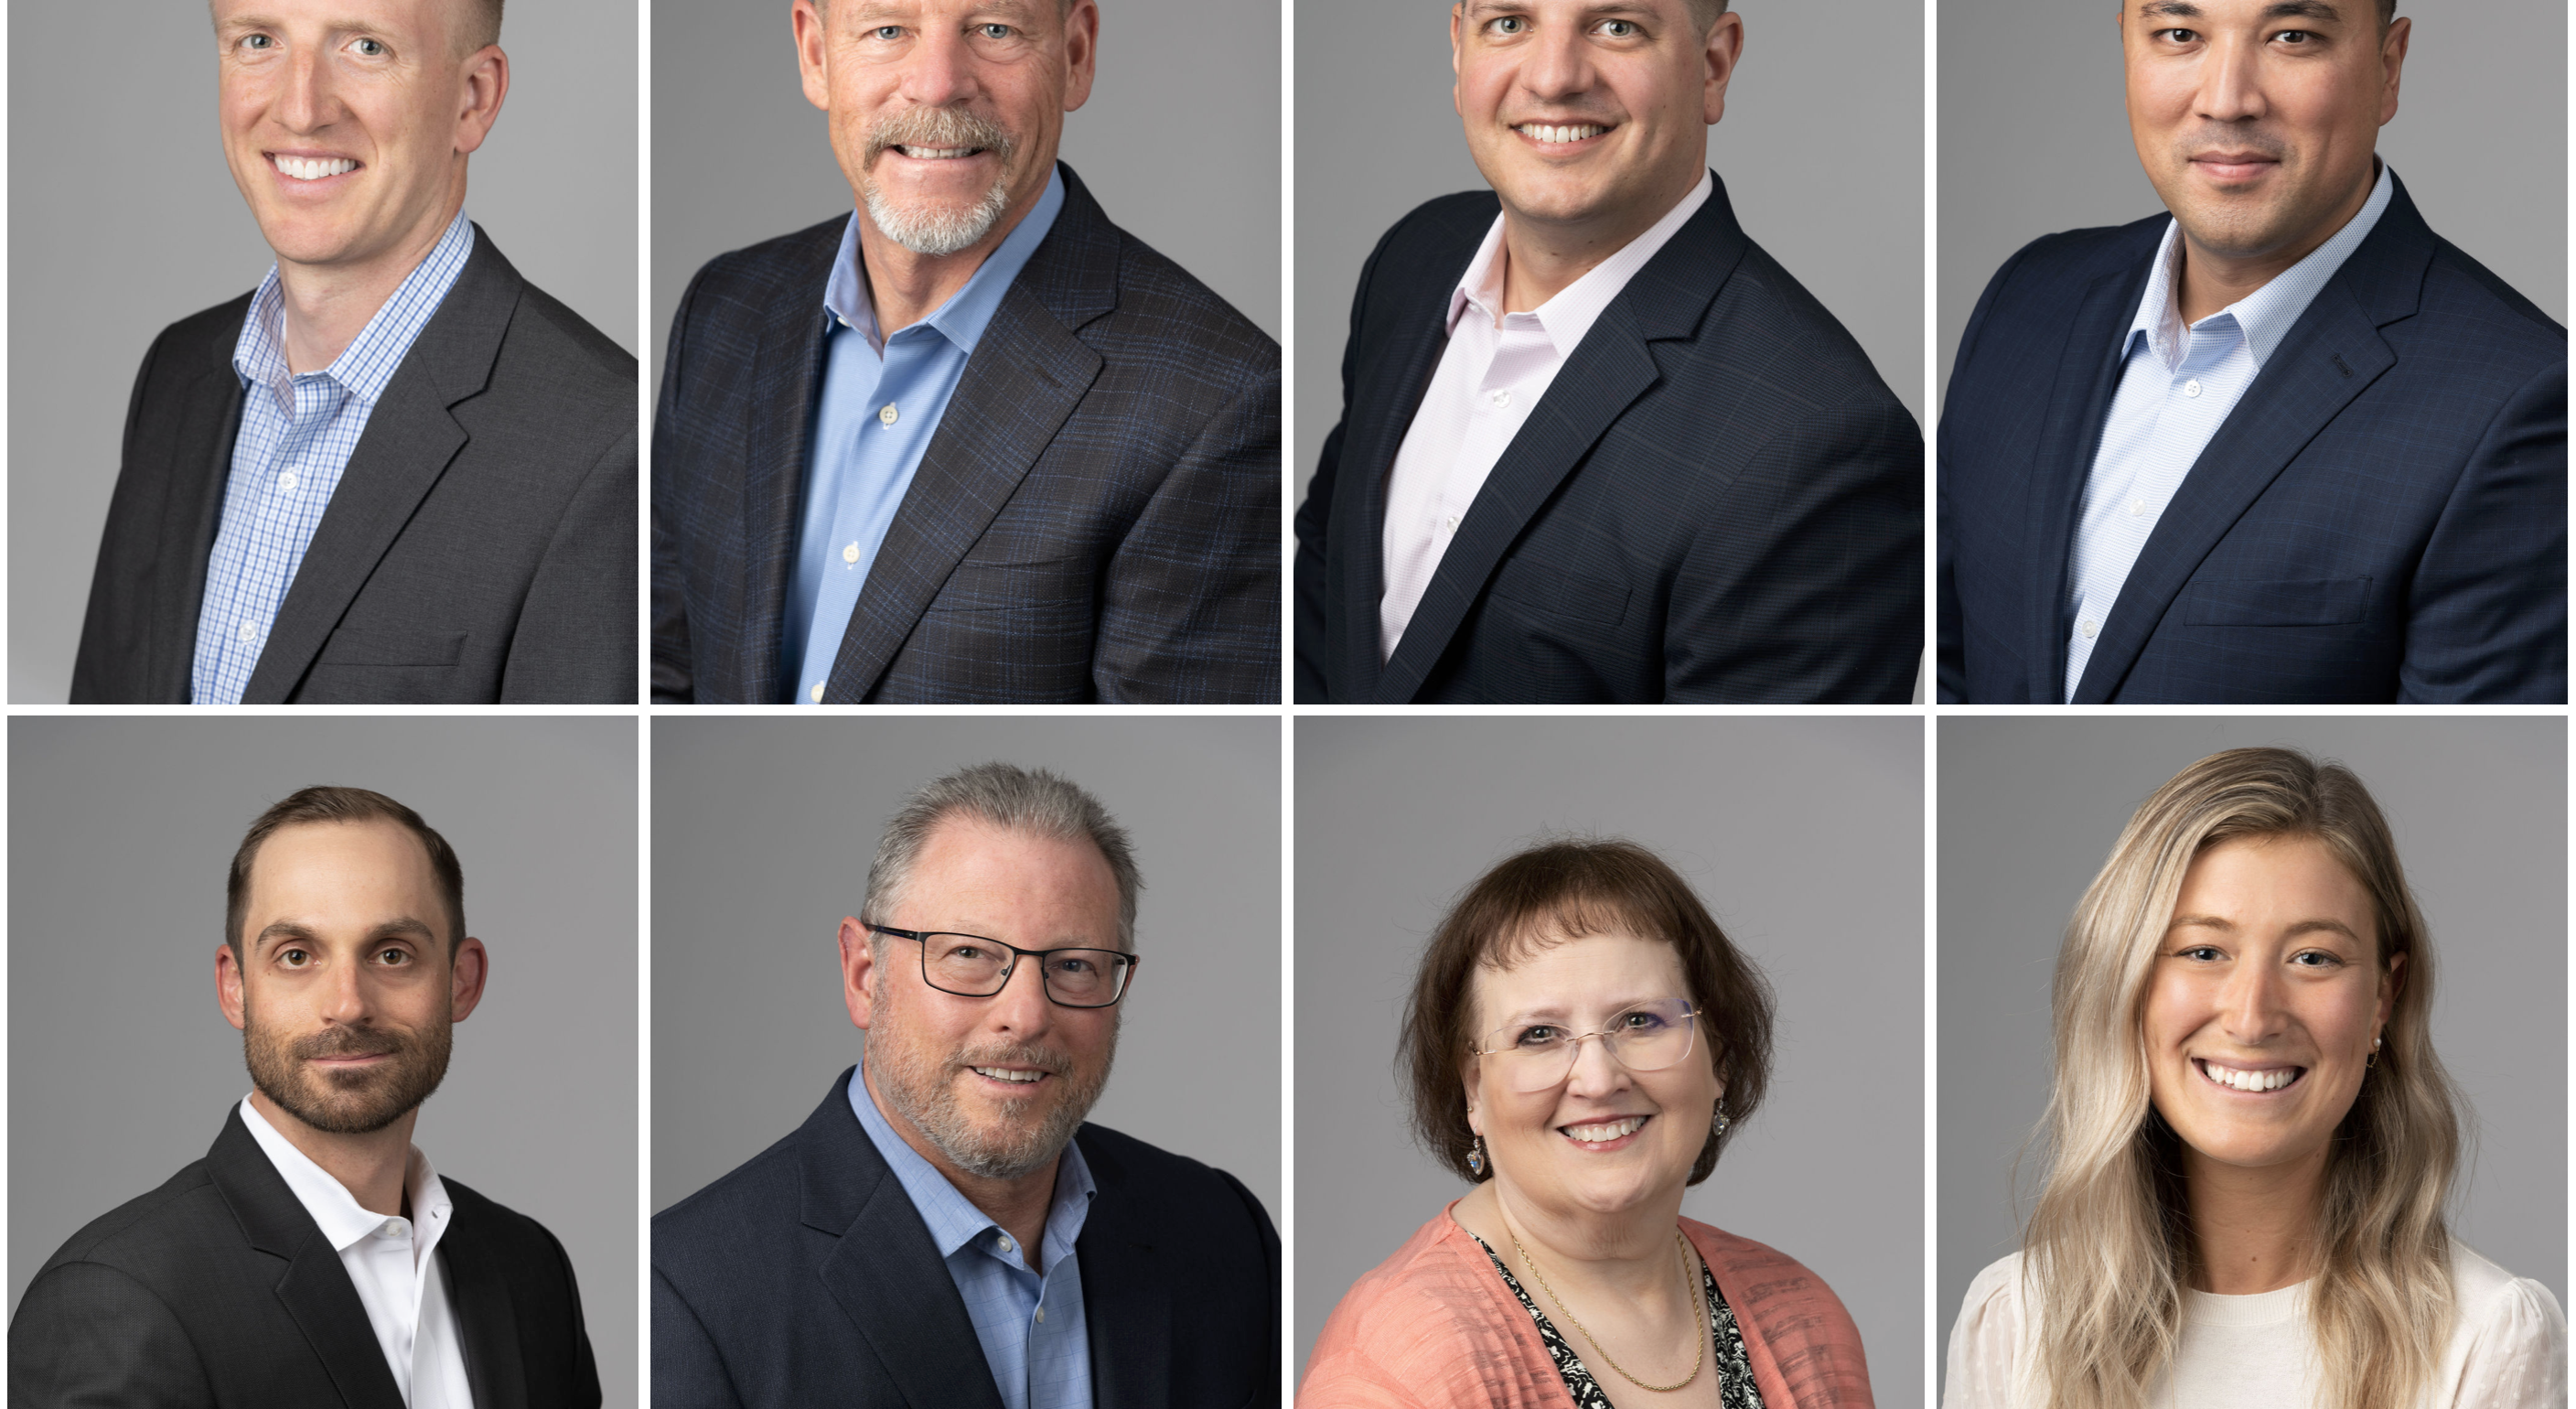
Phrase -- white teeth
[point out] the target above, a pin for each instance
(936, 153)
(1544, 132)
(2271, 1080)
(1605, 1131)
(313, 168)
(1005, 1074)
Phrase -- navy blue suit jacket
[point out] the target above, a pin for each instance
(1095, 520)
(2383, 517)
(1716, 500)
(807, 1277)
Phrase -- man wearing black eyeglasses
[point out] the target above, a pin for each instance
(945, 1229)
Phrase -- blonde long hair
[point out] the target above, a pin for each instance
(2109, 1247)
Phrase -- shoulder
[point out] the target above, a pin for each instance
(1994, 1291)
(1176, 1186)
(2077, 257)
(499, 1223)
(157, 1238)
(1412, 1320)
(753, 278)
(2491, 313)
(757, 1200)
(202, 340)
(588, 362)
(1160, 301)
(1767, 1274)
(1434, 240)
(1764, 317)
(2499, 1311)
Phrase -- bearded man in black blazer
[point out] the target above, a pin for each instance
(397, 472)
(314, 1257)
(970, 443)
(945, 1224)
(1596, 446)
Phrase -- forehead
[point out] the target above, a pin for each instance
(383, 16)
(1577, 975)
(341, 864)
(970, 863)
(2255, 881)
(864, 14)
(2229, 12)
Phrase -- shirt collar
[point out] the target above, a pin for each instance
(1570, 314)
(369, 361)
(954, 1220)
(2266, 315)
(334, 1209)
(963, 317)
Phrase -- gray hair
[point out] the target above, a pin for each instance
(1005, 795)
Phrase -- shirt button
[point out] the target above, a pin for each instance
(1041, 1315)
(1502, 398)
(2137, 507)
(2192, 387)
(249, 632)
(2089, 628)
(850, 555)
(888, 414)
(286, 482)
(816, 694)
(1004, 1243)
(1452, 521)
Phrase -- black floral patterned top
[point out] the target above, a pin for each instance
(1735, 1388)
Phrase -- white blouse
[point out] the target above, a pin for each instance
(2508, 1348)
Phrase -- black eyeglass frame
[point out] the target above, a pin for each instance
(1126, 964)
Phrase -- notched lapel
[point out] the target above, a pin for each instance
(313, 1287)
(2298, 391)
(2088, 372)
(487, 1321)
(190, 516)
(1127, 1310)
(1024, 380)
(1382, 412)
(887, 1277)
(786, 372)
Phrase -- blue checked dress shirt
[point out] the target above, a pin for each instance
(2176, 390)
(882, 400)
(1030, 1322)
(297, 433)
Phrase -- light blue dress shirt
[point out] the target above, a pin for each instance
(2176, 390)
(297, 433)
(882, 401)
(1030, 1322)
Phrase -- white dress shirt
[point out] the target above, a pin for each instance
(1490, 378)
(391, 1261)
(2176, 390)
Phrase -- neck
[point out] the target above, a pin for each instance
(1019, 1205)
(1542, 257)
(1627, 1254)
(375, 1167)
(2212, 281)
(2255, 1229)
(328, 305)
(904, 287)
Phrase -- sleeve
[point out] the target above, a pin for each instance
(1985, 1341)
(673, 681)
(2517, 1355)
(1267, 1235)
(575, 642)
(583, 1392)
(88, 1336)
(2486, 619)
(688, 1372)
(1806, 585)
(1190, 605)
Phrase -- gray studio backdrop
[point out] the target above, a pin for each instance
(2029, 809)
(122, 1068)
(1821, 151)
(102, 260)
(2035, 138)
(1804, 837)
(1180, 141)
(762, 833)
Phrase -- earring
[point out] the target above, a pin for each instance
(1476, 1158)
(1717, 1123)
(2373, 1059)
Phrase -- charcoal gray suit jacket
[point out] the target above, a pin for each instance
(480, 547)
(218, 1291)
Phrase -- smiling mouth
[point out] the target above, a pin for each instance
(311, 168)
(1016, 1076)
(1560, 134)
(939, 153)
(2253, 1080)
(1598, 1133)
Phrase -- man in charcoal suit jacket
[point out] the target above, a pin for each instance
(397, 472)
(1596, 445)
(972, 442)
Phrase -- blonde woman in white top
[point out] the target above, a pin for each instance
(2250, 1140)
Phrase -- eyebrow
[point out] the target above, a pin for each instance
(2213, 922)
(404, 928)
(2320, 10)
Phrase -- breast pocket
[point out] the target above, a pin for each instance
(386, 667)
(2340, 602)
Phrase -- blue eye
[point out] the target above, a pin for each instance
(372, 48)
(1619, 29)
(888, 32)
(1511, 24)
(995, 31)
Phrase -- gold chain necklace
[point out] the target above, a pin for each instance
(1705, 1331)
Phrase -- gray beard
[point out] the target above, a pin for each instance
(936, 232)
(920, 1092)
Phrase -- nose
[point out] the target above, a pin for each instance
(2231, 81)
(1022, 1008)
(1558, 64)
(304, 102)
(2251, 1010)
(939, 71)
(1596, 1072)
(344, 994)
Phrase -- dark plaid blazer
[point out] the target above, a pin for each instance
(218, 1291)
(480, 548)
(1716, 500)
(2383, 517)
(1096, 518)
(807, 1277)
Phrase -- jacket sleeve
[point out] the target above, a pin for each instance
(1315, 516)
(674, 680)
(1950, 656)
(2486, 616)
(575, 641)
(88, 1336)
(104, 670)
(688, 1372)
(1189, 610)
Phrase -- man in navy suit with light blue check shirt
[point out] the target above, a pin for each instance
(2287, 446)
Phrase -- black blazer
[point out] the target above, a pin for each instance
(807, 1277)
(1716, 500)
(480, 547)
(1095, 520)
(218, 1291)
(2382, 518)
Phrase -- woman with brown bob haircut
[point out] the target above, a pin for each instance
(1581, 1040)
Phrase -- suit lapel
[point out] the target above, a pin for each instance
(487, 1323)
(1383, 411)
(2088, 373)
(313, 1288)
(409, 441)
(786, 377)
(209, 422)
(1126, 1304)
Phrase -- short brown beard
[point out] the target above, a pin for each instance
(924, 1093)
(351, 1103)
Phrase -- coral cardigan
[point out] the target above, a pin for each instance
(1433, 1328)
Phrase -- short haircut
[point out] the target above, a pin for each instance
(486, 26)
(342, 805)
(1015, 799)
(1705, 12)
(1542, 897)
